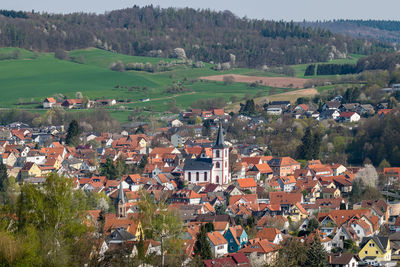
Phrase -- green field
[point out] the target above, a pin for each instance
(301, 68)
(26, 81)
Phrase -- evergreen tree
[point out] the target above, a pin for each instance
(316, 254)
(206, 130)
(3, 177)
(143, 162)
(202, 247)
(310, 70)
(108, 169)
(248, 108)
(139, 130)
(73, 134)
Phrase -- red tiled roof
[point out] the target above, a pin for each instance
(246, 182)
(216, 238)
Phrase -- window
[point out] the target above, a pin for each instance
(197, 176)
(365, 252)
(226, 164)
(376, 252)
(217, 165)
(205, 176)
(217, 179)
(226, 152)
(189, 176)
(217, 153)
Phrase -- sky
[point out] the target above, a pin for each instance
(296, 10)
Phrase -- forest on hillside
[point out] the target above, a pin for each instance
(384, 30)
(204, 35)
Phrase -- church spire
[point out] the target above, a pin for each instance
(220, 142)
(121, 201)
(121, 195)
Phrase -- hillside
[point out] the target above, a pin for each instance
(205, 35)
(26, 81)
(383, 30)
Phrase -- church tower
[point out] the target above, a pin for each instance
(121, 202)
(220, 160)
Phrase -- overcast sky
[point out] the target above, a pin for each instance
(296, 10)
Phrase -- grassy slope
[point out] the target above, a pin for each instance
(32, 78)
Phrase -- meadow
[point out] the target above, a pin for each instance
(25, 82)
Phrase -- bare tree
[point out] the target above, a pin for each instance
(367, 176)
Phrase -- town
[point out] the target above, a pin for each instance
(236, 205)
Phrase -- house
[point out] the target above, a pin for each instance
(284, 104)
(283, 166)
(231, 260)
(343, 260)
(349, 117)
(75, 103)
(329, 193)
(331, 105)
(185, 196)
(219, 245)
(30, 169)
(365, 109)
(287, 183)
(271, 234)
(236, 237)
(274, 110)
(118, 236)
(302, 108)
(176, 140)
(9, 159)
(247, 183)
(49, 102)
(329, 114)
(261, 252)
(375, 247)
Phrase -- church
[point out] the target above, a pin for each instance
(213, 170)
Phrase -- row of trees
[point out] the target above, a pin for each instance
(204, 35)
(379, 61)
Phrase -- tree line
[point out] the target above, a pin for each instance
(379, 61)
(205, 35)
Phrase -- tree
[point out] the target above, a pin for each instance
(54, 213)
(161, 224)
(61, 54)
(311, 142)
(206, 130)
(143, 162)
(292, 253)
(310, 70)
(228, 79)
(108, 169)
(73, 134)
(139, 130)
(248, 108)
(316, 254)
(367, 175)
(312, 225)
(3, 176)
(202, 247)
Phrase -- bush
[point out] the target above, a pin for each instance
(117, 66)
(61, 54)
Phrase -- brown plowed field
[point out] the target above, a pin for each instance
(280, 82)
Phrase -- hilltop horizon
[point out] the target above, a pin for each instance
(311, 11)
